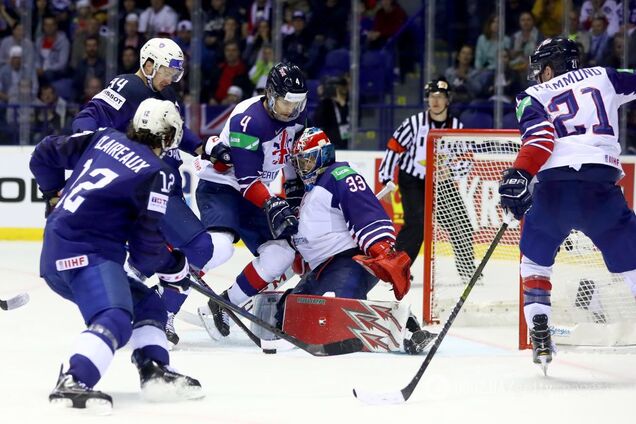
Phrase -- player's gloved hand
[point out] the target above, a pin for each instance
(176, 274)
(280, 217)
(51, 198)
(299, 266)
(217, 153)
(386, 181)
(514, 193)
(388, 265)
(294, 192)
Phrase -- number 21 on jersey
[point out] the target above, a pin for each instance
(569, 100)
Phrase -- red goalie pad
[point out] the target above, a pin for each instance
(316, 319)
(393, 267)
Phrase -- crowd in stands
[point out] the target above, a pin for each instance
(65, 53)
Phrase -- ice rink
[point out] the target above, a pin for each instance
(478, 375)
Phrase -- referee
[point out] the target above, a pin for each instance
(407, 149)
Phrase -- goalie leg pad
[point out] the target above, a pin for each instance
(380, 326)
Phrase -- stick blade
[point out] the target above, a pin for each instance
(372, 398)
(15, 302)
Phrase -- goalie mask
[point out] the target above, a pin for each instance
(159, 121)
(311, 154)
(560, 53)
(167, 58)
(286, 92)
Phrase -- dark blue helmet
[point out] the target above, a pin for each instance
(286, 91)
(560, 53)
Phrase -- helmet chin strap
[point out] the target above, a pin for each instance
(149, 78)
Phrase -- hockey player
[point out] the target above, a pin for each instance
(407, 149)
(344, 235)
(117, 194)
(569, 132)
(161, 64)
(238, 204)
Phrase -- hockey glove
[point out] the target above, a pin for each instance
(176, 274)
(294, 191)
(299, 266)
(217, 153)
(388, 265)
(280, 217)
(514, 193)
(51, 198)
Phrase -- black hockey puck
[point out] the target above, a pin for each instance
(269, 351)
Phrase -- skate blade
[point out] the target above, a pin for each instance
(208, 323)
(99, 407)
(543, 363)
(170, 392)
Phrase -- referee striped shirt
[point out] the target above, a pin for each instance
(407, 147)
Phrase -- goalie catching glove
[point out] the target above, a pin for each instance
(217, 153)
(388, 265)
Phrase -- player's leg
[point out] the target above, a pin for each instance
(150, 350)
(103, 296)
(612, 228)
(546, 225)
(452, 216)
(411, 235)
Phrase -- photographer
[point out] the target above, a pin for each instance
(332, 113)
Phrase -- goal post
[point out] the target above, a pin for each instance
(590, 305)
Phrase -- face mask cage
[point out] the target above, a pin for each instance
(292, 103)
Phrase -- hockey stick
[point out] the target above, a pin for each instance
(403, 395)
(388, 188)
(14, 302)
(336, 348)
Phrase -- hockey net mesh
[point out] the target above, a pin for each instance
(590, 305)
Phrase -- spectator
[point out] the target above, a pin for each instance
(184, 37)
(231, 71)
(388, 20)
(260, 10)
(514, 9)
(607, 8)
(549, 16)
(524, 42)
(234, 95)
(92, 66)
(332, 113)
(329, 23)
(92, 86)
(256, 42)
(17, 39)
(50, 115)
(510, 81)
(600, 41)
(37, 17)
(132, 37)
(287, 27)
(10, 78)
(84, 13)
(296, 47)
(487, 45)
(52, 52)
(8, 17)
(613, 57)
(77, 49)
(263, 64)
(129, 62)
(215, 23)
(463, 77)
(582, 37)
(158, 20)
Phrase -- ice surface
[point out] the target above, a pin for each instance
(477, 375)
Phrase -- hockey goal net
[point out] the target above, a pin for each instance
(462, 214)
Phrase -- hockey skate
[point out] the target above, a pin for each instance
(70, 393)
(171, 334)
(541, 342)
(419, 339)
(161, 383)
(215, 320)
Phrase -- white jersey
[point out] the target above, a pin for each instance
(575, 116)
(260, 146)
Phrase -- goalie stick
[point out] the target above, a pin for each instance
(401, 396)
(14, 302)
(337, 348)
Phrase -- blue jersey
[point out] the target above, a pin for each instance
(340, 213)
(117, 194)
(115, 107)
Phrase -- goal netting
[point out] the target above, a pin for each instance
(462, 214)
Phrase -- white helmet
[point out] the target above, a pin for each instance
(161, 118)
(163, 52)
